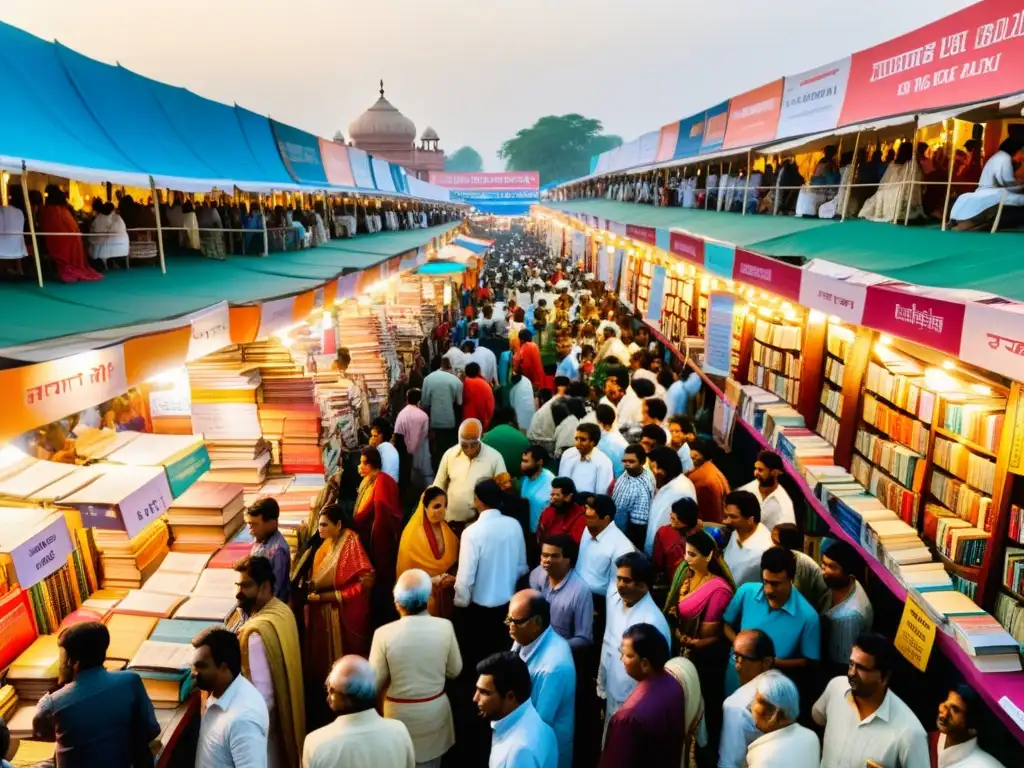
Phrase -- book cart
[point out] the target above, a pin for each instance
(903, 451)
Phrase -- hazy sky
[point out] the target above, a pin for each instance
(475, 70)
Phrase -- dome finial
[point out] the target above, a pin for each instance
(382, 89)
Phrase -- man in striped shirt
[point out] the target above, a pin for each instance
(633, 492)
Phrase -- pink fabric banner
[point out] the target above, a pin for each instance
(336, 163)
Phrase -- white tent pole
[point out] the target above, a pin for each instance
(31, 222)
(159, 229)
(949, 179)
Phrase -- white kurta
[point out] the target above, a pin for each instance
(996, 176)
(793, 746)
(362, 740)
(414, 656)
(966, 755)
(613, 683)
(661, 505)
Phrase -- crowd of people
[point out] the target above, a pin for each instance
(907, 183)
(579, 585)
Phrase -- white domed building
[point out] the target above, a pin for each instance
(386, 133)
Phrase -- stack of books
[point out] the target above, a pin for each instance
(128, 631)
(165, 669)
(364, 336)
(34, 672)
(206, 516)
(990, 647)
(183, 457)
(122, 498)
(141, 602)
(178, 574)
(1009, 612)
(127, 563)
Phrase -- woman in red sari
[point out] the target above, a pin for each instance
(338, 607)
(64, 239)
(378, 521)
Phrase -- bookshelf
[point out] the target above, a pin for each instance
(775, 356)
(678, 309)
(644, 276)
(838, 343)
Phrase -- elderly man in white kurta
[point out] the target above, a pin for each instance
(412, 658)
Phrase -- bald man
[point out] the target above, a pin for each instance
(413, 657)
(549, 659)
(359, 737)
(462, 467)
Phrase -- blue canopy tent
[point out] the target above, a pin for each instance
(440, 268)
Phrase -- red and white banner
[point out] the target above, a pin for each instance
(924, 320)
(976, 54)
(767, 274)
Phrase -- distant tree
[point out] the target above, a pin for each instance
(559, 146)
(464, 160)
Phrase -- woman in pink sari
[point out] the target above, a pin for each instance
(701, 591)
(378, 521)
(64, 239)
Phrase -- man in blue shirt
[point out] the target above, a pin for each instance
(261, 518)
(568, 365)
(95, 716)
(535, 483)
(778, 610)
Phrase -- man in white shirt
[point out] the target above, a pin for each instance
(521, 738)
(775, 709)
(380, 437)
(12, 241)
(749, 539)
(488, 363)
(412, 658)
(672, 485)
(588, 468)
(233, 733)
(630, 604)
(522, 400)
(492, 557)
(602, 544)
(359, 737)
(863, 719)
(776, 506)
(960, 715)
(462, 467)
(460, 356)
(612, 444)
(754, 652)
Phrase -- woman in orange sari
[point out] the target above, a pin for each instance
(378, 521)
(64, 239)
(429, 544)
(338, 608)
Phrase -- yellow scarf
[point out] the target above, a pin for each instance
(275, 624)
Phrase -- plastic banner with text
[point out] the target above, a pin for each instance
(300, 152)
(382, 174)
(976, 54)
(361, 174)
(690, 136)
(336, 164)
(812, 100)
(754, 116)
(648, 147)
(668, 137)
(716, 121)
(510, 193)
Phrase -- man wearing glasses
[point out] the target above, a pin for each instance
(754, 654)
(462, 467)
(865, 722)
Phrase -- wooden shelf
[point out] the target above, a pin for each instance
(969, 572)
(964, 442)
(891, 404)
(1015, 595)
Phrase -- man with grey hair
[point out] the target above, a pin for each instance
(359, 737)
(463, 466)
(412, 658)
(775, 710)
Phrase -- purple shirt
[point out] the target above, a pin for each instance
(649, 728)
(572, 606)
(276, 550)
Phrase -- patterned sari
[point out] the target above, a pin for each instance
(420, 548)
(334, 629)
(378, 521)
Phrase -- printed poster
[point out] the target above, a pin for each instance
(976, 54)
(754, 116)
(715, 122)
(718, 334)
(690, 136)
(916, 635)
(656, 298)
(812, 100)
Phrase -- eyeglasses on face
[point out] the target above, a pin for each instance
(510, 620)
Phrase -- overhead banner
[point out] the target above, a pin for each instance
(812, 100)
(361, 174)
(668, 137)
(38, 394)
(688, 247)
(690, 137)
(336, 164)
(976, 54)
(992, 339)
(211, 330)
(276, 315)
(924, 320)
(648, 147)
(300, 152)
(382, 174)
(715, 122)
(754, 116)
(768, 274)
(501, 194)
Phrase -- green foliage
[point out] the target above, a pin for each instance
(559, 146)
(464, 160)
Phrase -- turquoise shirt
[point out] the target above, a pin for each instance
(538, 493)
(795, 628)
(553, 693)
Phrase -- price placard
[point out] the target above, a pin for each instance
(916, 635)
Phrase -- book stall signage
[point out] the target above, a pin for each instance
(812, 100)
(45, 392)
(211, 330)
(643, 234)
(43, 553)
(275, 315)
(718, 334)
(915, 637)
(833, 296)
(993, 339)
(687, 247)
(768, 274)
(656, 298)
(719, 259)
(134, 512)
(924, 320)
